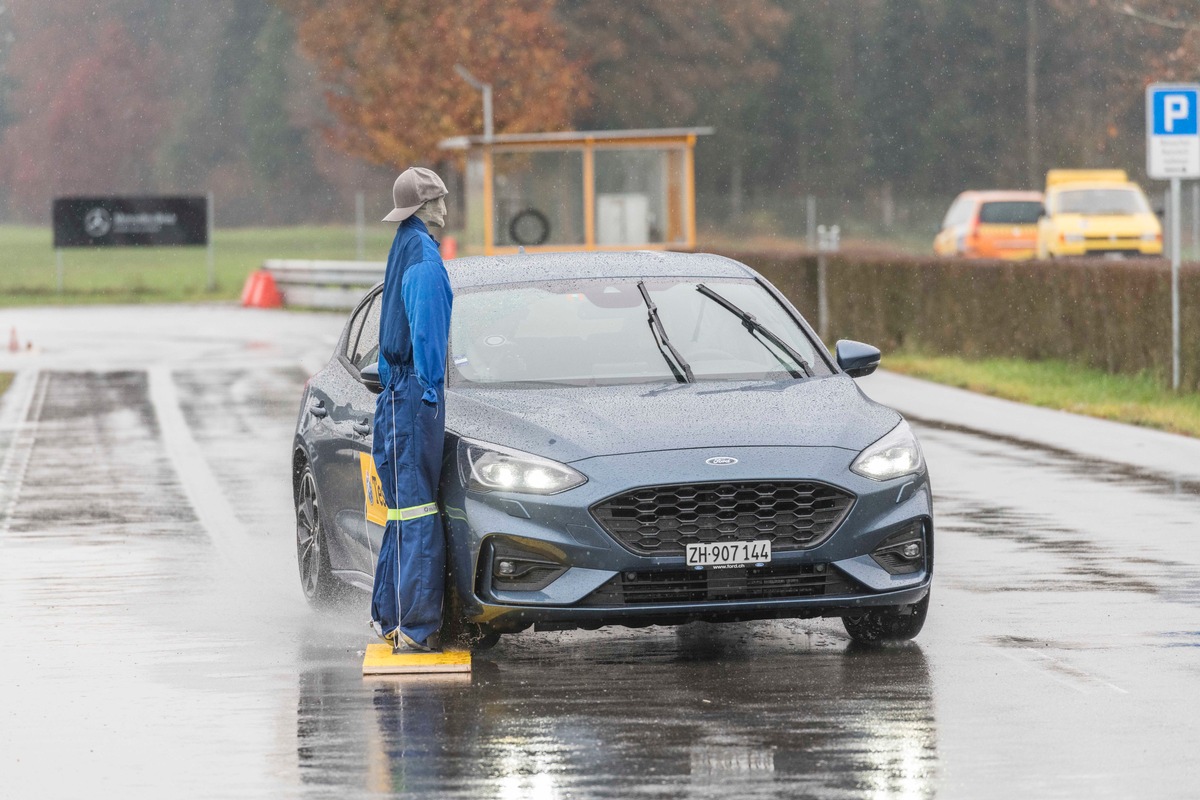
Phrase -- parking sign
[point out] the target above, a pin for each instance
(1172, 133)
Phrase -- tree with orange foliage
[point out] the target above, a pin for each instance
(88, 114)
(389, 70)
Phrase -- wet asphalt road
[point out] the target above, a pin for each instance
(154, 639)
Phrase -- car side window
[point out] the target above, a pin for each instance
(367, 349)
(355, 329)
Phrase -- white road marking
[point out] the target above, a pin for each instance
(21, 416)
(1060, 671)
(212, 508)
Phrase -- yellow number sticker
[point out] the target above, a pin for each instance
(372, 490)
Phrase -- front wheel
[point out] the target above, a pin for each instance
(321, 588)
(887, 624)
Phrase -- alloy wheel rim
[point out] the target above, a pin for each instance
(308, 540)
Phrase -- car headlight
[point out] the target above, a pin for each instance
(894, 455)
(1073, 237)
(488, 467)
(1150, 237)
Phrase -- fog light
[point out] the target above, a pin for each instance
(903, 553)
(524, 565)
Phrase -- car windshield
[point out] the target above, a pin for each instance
(1010, 212)
(1103, 201)
(598, 332)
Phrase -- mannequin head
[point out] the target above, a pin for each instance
(432, 213)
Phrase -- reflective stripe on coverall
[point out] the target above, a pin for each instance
(410, 423)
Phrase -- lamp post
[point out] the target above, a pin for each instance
(486, 88)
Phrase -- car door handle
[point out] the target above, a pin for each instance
(363, 427)
(318, 409)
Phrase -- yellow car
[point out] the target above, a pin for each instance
(1096, 212)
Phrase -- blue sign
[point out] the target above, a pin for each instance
(1172, 132)
(1173, 111)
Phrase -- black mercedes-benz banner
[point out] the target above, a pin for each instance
(130, 221)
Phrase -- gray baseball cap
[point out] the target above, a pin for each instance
(415, 187)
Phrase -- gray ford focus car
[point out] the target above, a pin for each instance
(632, 439)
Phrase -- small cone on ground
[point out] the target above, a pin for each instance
(260, 291)
(14, 343)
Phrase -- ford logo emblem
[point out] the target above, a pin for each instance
(721, 461)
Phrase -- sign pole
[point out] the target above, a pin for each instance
(360, 203)
(212, 268)
(1173, 154)
(58, 269)
(1175, 250)
(810, 219)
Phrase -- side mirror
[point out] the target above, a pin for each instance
(369, 375)
(855, 358)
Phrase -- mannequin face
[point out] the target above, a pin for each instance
(433, 213)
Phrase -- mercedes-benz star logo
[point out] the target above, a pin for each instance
(97, 222)
(721, 461)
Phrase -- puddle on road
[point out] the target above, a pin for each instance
(92, 469)
(621, 714)
(1089, 566)
(1071, 463)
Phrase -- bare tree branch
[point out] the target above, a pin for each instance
(1128, 10)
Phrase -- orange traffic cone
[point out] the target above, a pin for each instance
(260, 291)
(14, 344)
(449, 248)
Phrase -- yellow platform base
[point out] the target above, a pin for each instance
(380, 660)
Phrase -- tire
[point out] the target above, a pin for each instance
(887, 624)
(320, 587)
(529, 227)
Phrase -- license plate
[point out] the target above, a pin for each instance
(725, 554)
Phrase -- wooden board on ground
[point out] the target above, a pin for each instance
(380, 660)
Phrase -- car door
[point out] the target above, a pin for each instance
(370, 512)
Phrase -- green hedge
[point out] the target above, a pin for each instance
(1113, 315)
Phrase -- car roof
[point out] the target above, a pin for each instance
(531, 267)
(1082, 185)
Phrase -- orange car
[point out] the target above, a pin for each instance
(995, 224)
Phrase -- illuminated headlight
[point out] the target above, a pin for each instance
(1073, 237)
(488, 467)
(894, 455)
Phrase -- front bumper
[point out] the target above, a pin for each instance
(1105, 246)
(560, 530)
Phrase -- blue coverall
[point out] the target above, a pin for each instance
(410, 423)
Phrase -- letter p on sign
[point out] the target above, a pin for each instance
(1175, 109)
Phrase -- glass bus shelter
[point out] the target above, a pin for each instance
(580, 190)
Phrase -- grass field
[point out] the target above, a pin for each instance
(163, 274)
(5, 381)
(1139, 400)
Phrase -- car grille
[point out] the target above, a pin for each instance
(662, 520)
(748, 583)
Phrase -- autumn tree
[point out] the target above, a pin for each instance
(683, 62)
(88, 112)
(388, 66)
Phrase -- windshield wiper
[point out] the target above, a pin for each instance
(754, 326)
(664, 344)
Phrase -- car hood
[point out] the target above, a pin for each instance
(1108, 224)
(573, 423)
